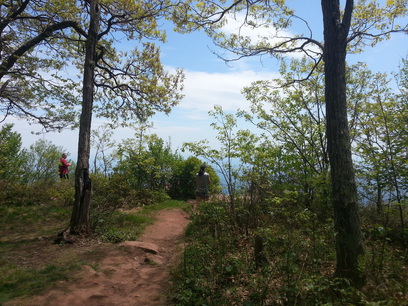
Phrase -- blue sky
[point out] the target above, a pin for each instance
(209, 81)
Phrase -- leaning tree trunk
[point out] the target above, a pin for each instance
(349, 242)
(80, 222)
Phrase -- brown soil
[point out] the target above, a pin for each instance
(132, 273)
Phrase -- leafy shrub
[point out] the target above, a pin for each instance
(288, 258)
(61, 193)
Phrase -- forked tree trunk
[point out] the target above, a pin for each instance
(80, 222)
(349, 242)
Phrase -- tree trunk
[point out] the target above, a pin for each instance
(349, 242)
(80, 222)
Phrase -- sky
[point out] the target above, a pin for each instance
(210, 81)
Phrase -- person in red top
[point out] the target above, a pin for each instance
(63, 167)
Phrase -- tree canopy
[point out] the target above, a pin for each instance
(42, 42)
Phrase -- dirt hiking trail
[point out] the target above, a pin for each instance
(135, 273)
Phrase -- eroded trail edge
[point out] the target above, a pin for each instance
(135, 273)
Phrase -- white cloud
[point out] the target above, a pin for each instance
(203, 90)
(189, 121)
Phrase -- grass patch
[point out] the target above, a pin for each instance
(122, 226)
(30, 222)
(17, 281)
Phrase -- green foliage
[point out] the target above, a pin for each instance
(381, 140)
(35, 194)
(294, 159)
(183, 180)
(63, 192)
(42, 165)
(209, 245)
(30, 177)
(101, 141)
(147, 163)
(150, 168)
(286, 259)
(402, 78)
(235, 145)
(12, 156)
(294, 119)
(182, 183)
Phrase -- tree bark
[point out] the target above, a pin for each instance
(349, 242)
(80, 222)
